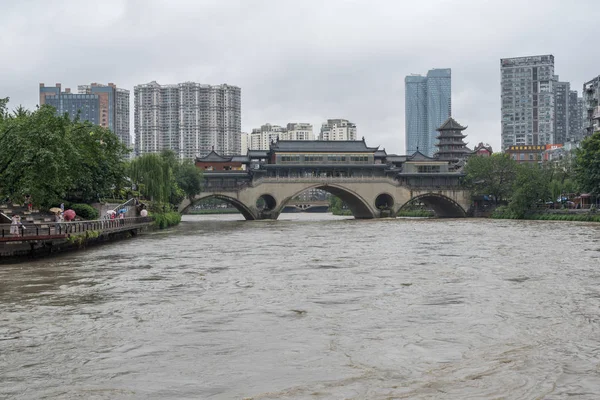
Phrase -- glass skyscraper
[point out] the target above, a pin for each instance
(428, 104)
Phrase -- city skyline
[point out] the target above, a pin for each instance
(353, 68)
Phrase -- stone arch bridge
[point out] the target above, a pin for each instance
(367, 197)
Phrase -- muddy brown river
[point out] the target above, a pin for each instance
(310, 307)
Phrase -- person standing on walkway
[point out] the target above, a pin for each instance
(14, 225)
(122, 218)
(56, 223)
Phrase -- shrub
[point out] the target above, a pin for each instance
(85, 211)
(166, 220)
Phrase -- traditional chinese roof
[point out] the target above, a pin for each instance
(451, 125)
(418, 156)
(322, 146)
(380, 153)
(213, 157)
(483, 146)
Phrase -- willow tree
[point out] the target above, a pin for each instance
(152, 175)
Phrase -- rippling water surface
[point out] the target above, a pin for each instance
(310, 307)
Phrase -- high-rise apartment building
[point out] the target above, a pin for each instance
(298, 131)
(591, 105)
(528, 96)
(428, 103)
(561, 110)
(261, 138)
(575, 117)
(104, 105)
(338, 129)
(189, 118)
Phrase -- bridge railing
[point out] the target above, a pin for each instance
(31, 231)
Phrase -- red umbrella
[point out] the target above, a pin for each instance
(69, 215)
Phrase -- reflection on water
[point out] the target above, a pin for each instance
(310, 307)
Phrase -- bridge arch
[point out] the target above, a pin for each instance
(443, 206)
(358, 205)
(241, 207)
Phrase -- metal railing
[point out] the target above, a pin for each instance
(127, 205)
(31, 231)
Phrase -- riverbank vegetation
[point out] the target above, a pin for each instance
(167, 219)
(58, 160)
(527, 190)
(338, 207)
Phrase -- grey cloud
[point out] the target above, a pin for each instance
(299, 61)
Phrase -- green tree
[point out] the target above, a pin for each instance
(3, 108)
(492, 175)
(98, 159)
(530, 189)
(152, 175)
(35, 156)
(587, 164)
(189, 179)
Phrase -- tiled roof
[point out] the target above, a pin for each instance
(451, 125)
(336, 146)
(213, 157)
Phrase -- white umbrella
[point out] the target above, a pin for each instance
(109, 212)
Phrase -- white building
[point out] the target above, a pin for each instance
(244, 143)
(338, 129)
(189, 118)
(298, 131)
(260, 138)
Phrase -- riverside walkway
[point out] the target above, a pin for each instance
(56, 230)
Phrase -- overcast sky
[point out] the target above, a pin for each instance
(299, 61)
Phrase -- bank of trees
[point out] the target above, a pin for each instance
(54, 160)
(524, 188)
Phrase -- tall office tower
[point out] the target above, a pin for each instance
(338, 129)
(591, 106)
(189, 118)
(575, 116)
(527, 96)
(298, 131)
(104, 105)
(561, 110)
(428, 103)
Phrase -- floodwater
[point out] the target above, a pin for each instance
(310, 307)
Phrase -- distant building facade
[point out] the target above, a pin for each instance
(561, 110)
(531, 153)
(190, 118)
(591, 105)
(104, 105)
(428, 103)
(338, 129)
(575, 105)
(527, 101)
(261, 138)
